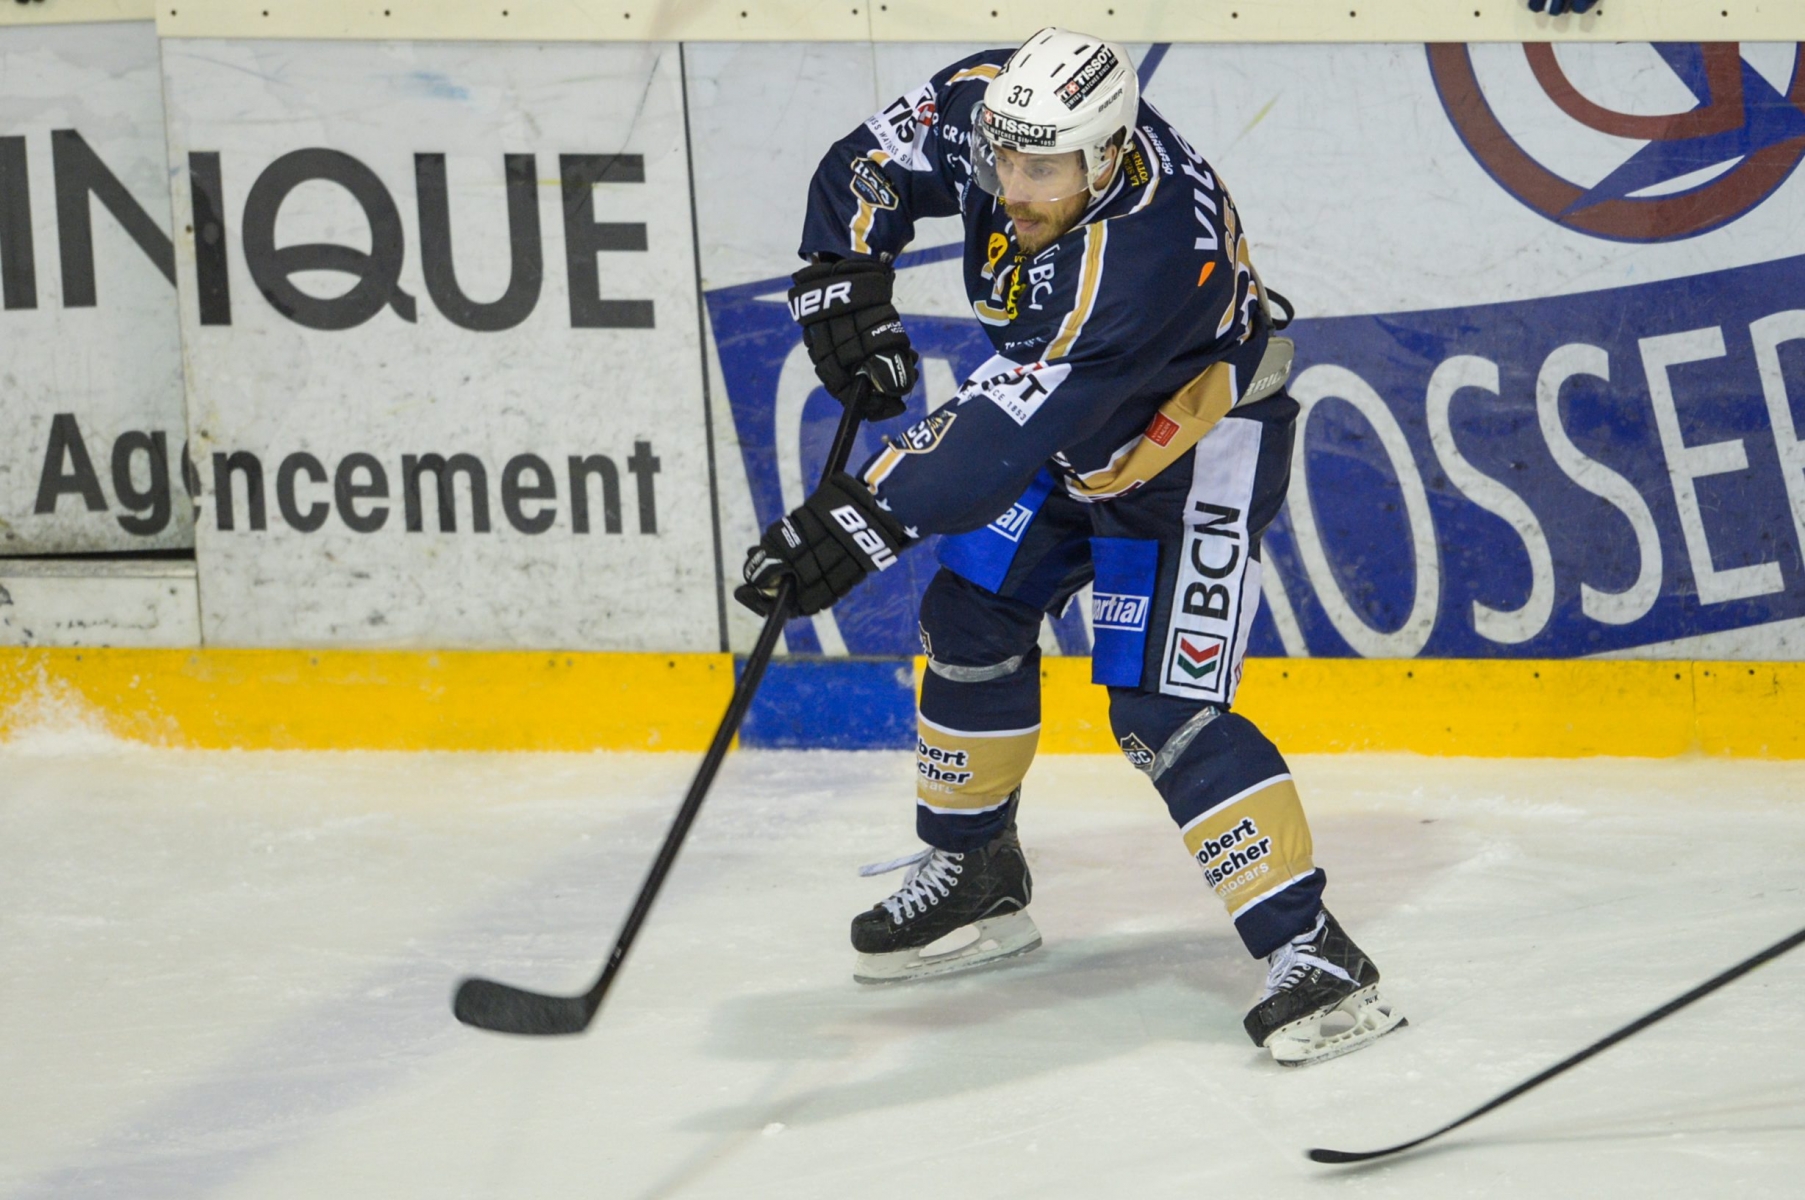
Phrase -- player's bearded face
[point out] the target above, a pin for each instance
(1044, 194)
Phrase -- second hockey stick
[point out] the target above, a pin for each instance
(487, 1004)
(1602, 1044)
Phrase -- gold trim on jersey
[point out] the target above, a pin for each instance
(1237, 253)
(860, 228)
(1090, 279)
(881, 466)
(1254, 844)
(981, 71)
(1180, 423)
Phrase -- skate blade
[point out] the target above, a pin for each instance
(997, 938)
(1359, 1020)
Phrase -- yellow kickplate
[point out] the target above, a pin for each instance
(370, 700)
(1490, 707)
(1751, 709)
(524, 700)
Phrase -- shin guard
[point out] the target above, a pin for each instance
(979, 720)
(975, 740)
(1231, 794)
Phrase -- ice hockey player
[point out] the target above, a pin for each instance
(1132, 432)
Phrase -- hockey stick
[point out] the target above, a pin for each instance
(503, 1008)
(1605, 1043)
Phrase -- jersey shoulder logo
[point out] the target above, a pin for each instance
(869, 184)
(924, 435)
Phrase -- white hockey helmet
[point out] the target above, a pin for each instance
(1060, 92)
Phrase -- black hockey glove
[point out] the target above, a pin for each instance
(835, 539)
(851, 329)
(1558, 8)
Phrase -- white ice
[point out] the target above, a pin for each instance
(227, 975)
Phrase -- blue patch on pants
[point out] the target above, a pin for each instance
(984, 555)
(1121, 606)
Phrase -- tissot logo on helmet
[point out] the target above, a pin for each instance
(1087, 77)
(1022, 133)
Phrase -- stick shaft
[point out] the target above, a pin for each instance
(1638, 1025)
(743, 691)
(1600, 1046)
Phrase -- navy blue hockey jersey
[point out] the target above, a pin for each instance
(1117, 347)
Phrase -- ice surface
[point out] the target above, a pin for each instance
(227, 975)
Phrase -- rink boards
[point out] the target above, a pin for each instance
(463, 700)
(461, 366)
(477, 341)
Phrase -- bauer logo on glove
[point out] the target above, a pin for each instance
(803, 304)
(852, 331)
(837, 537)
(867, 539)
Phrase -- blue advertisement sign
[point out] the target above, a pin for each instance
(1543, 478)
(1597, 472)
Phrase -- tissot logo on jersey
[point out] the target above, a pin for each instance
(1128, 613)
(1017, 390)
(1161, 430)
(899, 128)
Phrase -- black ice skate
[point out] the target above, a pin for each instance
(1321, 1000)
(953, 912)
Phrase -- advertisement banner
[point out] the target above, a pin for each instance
(91, 377)
(1551, 346)
(439, 309)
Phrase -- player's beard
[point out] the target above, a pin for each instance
(1038, 226)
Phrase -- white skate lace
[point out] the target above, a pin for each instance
(1287, 965)
(930, 880)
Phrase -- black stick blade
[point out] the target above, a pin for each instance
(1353, 1156)
(485, 1004)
